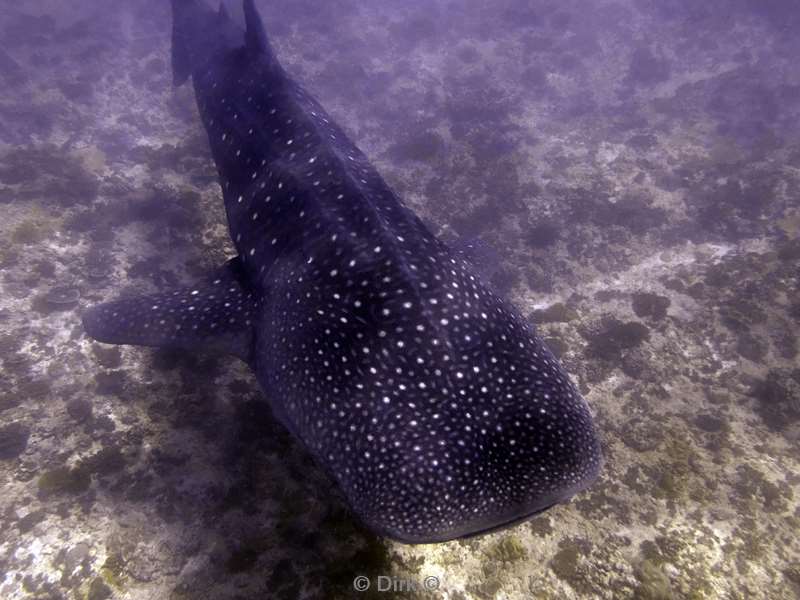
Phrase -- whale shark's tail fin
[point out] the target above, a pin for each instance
(185, 28)
(256, 36)
(199, 34)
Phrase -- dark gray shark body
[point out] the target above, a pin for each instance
(433, 405)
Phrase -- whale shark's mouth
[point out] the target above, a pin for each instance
(509, 523)
(486, 524)
(475, 528)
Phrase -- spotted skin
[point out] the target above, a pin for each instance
(430, 401)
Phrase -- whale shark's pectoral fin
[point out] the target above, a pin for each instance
(216, 315)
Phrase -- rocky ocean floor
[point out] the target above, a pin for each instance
(635, 164)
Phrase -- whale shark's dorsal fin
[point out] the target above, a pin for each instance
(223, 13)
(255, 35)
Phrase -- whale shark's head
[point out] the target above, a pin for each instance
(435, 406)
(507, 439)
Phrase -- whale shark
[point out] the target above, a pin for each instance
(425, 396)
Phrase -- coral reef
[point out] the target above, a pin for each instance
(636, 167)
